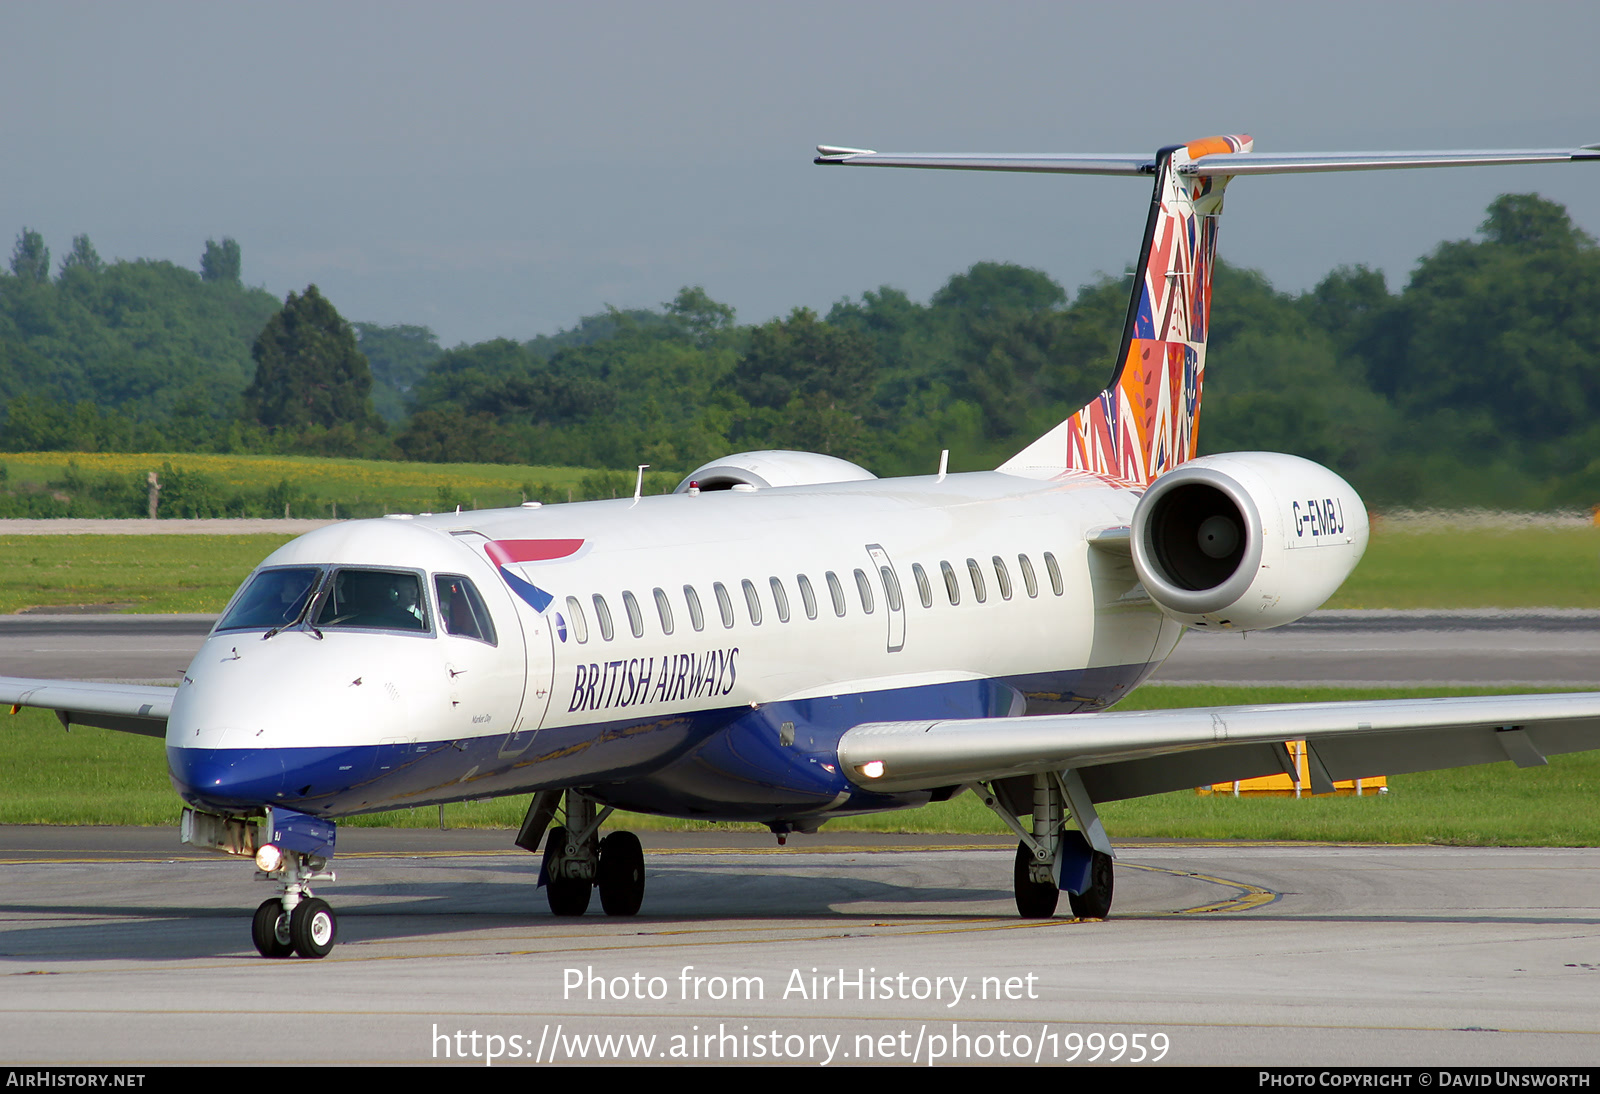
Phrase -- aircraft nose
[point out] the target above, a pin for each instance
(228, 778)
(248, 778)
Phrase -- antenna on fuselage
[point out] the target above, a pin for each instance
(638, 486)
(944, 464)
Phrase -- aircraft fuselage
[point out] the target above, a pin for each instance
(680, 654)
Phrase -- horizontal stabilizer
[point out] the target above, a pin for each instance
(1216, 164)
(1068, 164)
(1293, 163)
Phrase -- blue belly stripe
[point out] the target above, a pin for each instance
(778, 761)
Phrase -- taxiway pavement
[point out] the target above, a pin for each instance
(120, 948)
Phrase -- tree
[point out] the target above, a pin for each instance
(1506, 328)
(1530, 222)
(702, 317)
(30, 258)
(221, 262)
(399, 357)
(82, 257)
(308, 369)
(991, 287)
(803, 356)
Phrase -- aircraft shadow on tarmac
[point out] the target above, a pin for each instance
(382, 911)
(477, 896)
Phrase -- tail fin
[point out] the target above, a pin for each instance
(1145, 422)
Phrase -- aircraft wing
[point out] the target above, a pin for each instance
(131, 708)
(1133, 753)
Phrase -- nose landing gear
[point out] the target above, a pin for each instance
(270, 930)
(289, 848)
(296, 922)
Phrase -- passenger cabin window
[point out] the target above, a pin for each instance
(891, 588)
(580, 625)
(1002, 577)
(952, 587)
(752, 602)
(780, 600)
(1055, 572)
(975, 571)
(1027, 575)
(696, 617)
(602, 615)
(273, 598)
(864, 589)
(664, 610)
(836, 591)
(635, 616)
(724, 604)
(924, 590)
(374, 600)
(806, 595)
(462, 610)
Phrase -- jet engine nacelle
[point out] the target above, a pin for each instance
(1246, 540)
(763, 470)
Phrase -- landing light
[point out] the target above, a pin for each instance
(872, 769)
(268, 858)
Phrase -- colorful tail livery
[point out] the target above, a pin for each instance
(1145, 422)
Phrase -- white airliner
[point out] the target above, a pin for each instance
(787, 638)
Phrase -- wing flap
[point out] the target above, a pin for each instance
(127, 708)
(1179, 771)
(1126, 754)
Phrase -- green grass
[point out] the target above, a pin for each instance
(1477, 568)
(355, 487)
(1481, 568)
(97, 777)
(158, 573)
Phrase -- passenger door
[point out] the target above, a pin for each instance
(893, 599)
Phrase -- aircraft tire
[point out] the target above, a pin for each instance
(621, 874)
(1095, 902)
(567, 896)
(270, 930)
(1034, 901)
(313, 927)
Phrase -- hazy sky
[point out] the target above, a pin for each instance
(502, 169)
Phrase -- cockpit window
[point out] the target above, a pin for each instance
(462, 611)
(274, 598)
(374, 600)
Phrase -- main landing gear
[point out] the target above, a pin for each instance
(1050, 856)
(576, 862)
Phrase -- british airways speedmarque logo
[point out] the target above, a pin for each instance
(508, 552)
